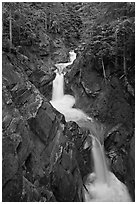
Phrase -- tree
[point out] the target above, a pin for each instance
(31, 20)
(109, 28)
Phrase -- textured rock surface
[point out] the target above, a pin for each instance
(109, 104)
(40, 155)
(44, 158)
(16, 147)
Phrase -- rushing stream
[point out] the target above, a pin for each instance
(101, 185)
(64, 103)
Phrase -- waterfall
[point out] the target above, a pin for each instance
(102, 185)
(58, 83)
(72, 56)
(61, 66)
(64, 102)
(100, 167)
(58, 87)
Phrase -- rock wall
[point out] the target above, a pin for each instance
(40, 151)
(43, 156)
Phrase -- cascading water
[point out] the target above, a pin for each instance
(58, 87)
(72, 56)
(98, 156)
(64, 103)
(61, 66)
(58, 84)
(102, 185)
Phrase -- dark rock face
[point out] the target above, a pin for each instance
(84, 80)
(40, 152)
(64, 179)
(43, 125)
(19, 141)
(13, 188)
(108, 104)
(42, 81)
(70, 165)
(44, 159)
(79, 136)
(16, 146)
(131, 168)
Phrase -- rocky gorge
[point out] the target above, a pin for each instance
(44, 158)
(42, 154)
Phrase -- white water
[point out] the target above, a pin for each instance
(100, 166)
(64, 103)
(72, 56)
(58, 87)
(61, 66)
(102, 185)
(115, 191)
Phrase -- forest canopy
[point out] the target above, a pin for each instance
(109, 27)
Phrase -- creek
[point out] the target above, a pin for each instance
(102, 184)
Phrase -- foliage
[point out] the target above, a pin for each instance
(32, 21)
(110, 29)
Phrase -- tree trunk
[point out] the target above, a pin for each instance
(116, 58)
(10, 28)
(104, 73)
(124, 61)
(127, 84)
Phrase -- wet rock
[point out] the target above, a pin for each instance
(66, 181)
(117, 146)
(79, 136)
